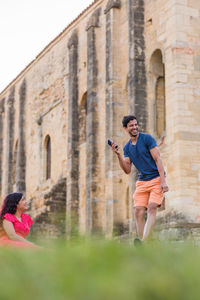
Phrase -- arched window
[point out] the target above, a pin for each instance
(47, 157)
(160, 107)
(157, 92)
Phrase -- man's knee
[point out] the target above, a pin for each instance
(140, 212)
(152, 208)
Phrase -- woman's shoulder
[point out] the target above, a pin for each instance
(27, 218)
(10, 217)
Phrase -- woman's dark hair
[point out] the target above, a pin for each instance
(10, 204)
(127, 119)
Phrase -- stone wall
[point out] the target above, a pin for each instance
(171, 27)
(73, 136)
(50, 215)
(21, 151)
(10, 141)
(118, 57)
(2, 113)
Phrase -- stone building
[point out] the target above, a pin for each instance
(117, 57)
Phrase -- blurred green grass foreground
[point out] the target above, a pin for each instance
(100, 269)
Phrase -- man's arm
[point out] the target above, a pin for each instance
(124, 163)
(155, 153)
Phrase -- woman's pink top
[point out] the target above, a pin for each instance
(22, 228)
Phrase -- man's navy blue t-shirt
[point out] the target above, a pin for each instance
(140, 156)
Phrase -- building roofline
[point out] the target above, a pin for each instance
(49, 44)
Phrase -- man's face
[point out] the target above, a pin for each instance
(132, 128)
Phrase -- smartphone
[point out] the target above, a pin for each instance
(110, 144)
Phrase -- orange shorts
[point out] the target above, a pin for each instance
(148, 191)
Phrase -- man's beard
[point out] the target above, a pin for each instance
(133, 135)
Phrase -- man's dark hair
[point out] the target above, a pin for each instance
(127, 119)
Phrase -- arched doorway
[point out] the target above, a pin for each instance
(156, 95)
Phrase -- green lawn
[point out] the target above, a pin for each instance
(99, 269)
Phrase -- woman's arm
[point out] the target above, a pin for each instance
(10, 231)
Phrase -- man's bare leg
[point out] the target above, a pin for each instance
(151, 219)
(140, 220)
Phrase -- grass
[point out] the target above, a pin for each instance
(99, 269)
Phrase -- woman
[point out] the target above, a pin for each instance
(14, 222)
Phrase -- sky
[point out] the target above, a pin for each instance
(27, 26)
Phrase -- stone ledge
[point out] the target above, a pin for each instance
(94, 19)
(112, 4)
(2, 109)
(73, 40)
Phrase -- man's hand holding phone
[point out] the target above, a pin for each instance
(114, 146)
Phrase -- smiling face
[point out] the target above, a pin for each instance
(132, 128)
(22, 205)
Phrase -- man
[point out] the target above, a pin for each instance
(142, 151)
